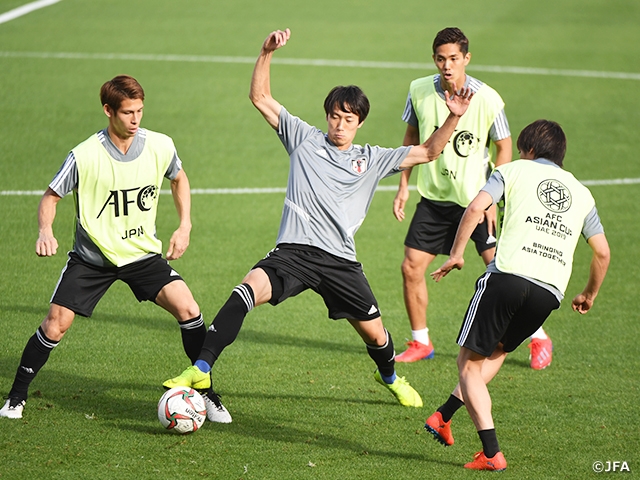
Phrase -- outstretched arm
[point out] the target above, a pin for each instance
(470, 219)
(583, 302)
(432, 148)
(47, 245)
(260, 93)
(181, 192)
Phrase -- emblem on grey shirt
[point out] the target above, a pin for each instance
(359, 165)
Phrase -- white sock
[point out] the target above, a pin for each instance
(539, 334)
(421, 336)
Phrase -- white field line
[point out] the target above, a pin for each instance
(24, 9)
(253, 191)
(316, 63)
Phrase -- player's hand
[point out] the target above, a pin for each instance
(459, 101)
(581, 303)
(178, 244)
(399, 202)
(46, 245)
(446, 267)
(275, 40)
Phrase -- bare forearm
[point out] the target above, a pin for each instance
(470, 219)
(181, 192)
(467, 225)
(47, 212)
(260, 91)
(46, 244)
(433, 147)
(405, 176)
(260, 80)
(503, 151)
(438, 140)
(599, 266)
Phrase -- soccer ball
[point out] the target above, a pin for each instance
(182, 410)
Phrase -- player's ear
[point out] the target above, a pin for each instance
(467, 58)
(107, 110)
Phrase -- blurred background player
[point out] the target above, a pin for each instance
(330, 187)
(528, 277)
(115, 175)
(448, 185)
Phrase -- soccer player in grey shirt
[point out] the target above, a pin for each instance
(331, 184)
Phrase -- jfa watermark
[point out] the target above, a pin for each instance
(611, 466)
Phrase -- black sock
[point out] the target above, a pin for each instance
(384, 356)
(489, 442)
(450, 407)
(34, 356)
(193, 332)
(225, 327)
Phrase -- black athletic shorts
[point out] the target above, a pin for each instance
(82, 285)
(341, 283)
(434, 225)
(505, 309)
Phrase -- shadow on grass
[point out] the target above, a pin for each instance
(263, 428)
(164, 322)
(112, 400)
(119, 406)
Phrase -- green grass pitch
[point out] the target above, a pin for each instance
(299, 386)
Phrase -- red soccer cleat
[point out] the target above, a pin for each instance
(416, 351)
(440, 429)
(481, 462)
(541, 353)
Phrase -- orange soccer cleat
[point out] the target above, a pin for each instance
(416, 351)
(541, 353)
(440, 429)
(481, 462)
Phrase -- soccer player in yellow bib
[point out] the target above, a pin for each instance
(546, 211)
(115, 176)
(447, 185)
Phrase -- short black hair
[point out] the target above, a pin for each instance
(451, 35)
(546, 139)
(349, 99)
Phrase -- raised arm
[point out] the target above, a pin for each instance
(181, 192)
(583, 302)
(47, 245)
(260, 93)
(432, 148)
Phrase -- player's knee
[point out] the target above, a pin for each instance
(412, 271)
(189, 311)
(52, 331)
(469, 361)
(55, 326)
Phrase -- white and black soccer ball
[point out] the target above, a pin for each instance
(182, 410)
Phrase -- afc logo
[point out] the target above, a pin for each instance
(121, 199)
(465, 143)
(554, 196)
